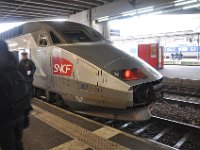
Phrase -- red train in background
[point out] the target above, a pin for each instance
(152, 54)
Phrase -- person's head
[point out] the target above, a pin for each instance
(24, 55)
(3, 46)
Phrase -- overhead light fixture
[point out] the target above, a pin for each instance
(145, 10)
(164, 7)
(191, 6)
(106, 18)
(177, 1)
(130, 13)
(185, 2)
(12, 44)
(155, 13)
(171, 10)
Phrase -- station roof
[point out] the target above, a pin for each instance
(32, 9)
(19, 10)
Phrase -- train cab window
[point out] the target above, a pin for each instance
(43, 40)
(54, 38)
(98, 35)
(76, 36)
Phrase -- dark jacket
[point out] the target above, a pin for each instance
(7, 61)
(28, 65)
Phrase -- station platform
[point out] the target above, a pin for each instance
(182, 72)
(58, 129)
(184, 62)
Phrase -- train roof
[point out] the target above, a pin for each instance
(35, 26)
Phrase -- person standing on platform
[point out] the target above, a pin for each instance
(30, 69)
(14, 99)
(172, 55)
(180, 56)
(176, 56)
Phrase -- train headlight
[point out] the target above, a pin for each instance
(129, 74)
(133, 74)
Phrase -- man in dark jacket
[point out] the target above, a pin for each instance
(10, 130)
(29, 67)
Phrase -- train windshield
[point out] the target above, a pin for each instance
(82, 36)
(78, 33)
(76, 36)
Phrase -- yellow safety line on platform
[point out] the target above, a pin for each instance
(78, 133)
(104, 132)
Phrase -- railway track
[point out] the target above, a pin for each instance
(182, 91)
(181, 100)
(177, 135)
(164, 131)
(185, 96)
(178, 108)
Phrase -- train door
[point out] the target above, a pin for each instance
(101, 81)
(90, 76)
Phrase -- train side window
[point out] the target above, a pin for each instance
(54, 38)
(43, 40)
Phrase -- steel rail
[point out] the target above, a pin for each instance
(181, 102)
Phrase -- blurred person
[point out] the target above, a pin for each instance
(180, 56)
(176, 56)
(172, 55)
(14, 100)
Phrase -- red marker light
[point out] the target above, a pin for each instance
(134, 74)
(127, 74)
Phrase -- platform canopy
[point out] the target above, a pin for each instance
(14, 10)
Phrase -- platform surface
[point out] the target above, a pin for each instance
(177, 71)
(57, 129)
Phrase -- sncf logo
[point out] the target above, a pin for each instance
(62, 66)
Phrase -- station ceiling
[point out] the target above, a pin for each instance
(31, 9)
(16, 10)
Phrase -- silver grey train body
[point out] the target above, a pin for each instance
(78, 66)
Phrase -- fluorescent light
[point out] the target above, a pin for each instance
(179, 1)
(145, 10)
(172, 10)
(12, 44)
(191, 6)
(155, 13)
(164, 7)
(103, 19)
(131, 13)
(185, 3)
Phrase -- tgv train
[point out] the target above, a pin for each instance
(187, 51)
(78, 66)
